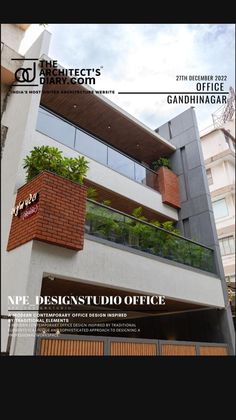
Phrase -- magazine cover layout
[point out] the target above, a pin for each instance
(118, 189)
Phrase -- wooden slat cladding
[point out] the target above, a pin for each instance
(132, 349)
(56, 347)
(95, 346)
(95, 115)
(177, 350)
(213, 351)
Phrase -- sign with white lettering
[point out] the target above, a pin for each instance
(16, 211)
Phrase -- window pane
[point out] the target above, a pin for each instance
(209, 176)
(55, 128)
(90, 147)
(221, 247)
(227, 245)
(140, 173)
(232, 244)
(120, 163)
(220, 209)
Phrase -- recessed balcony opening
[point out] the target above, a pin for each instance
(105, 120)
(111, 225)
(121, 203)
(61, 130)
(167, 322)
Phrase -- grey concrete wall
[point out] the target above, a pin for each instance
(196, 218)
(188, 163)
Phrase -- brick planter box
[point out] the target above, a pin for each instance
(54, 213)
(168, 186)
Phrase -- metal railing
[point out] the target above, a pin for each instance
(63, 131)
(116, 226)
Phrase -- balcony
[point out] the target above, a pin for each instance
(115, 226)
(77, 139)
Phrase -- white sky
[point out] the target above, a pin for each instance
(146, 57)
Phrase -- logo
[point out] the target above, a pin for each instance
(27, 74)
(24, 203)
(49, 72)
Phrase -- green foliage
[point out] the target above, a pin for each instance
(168, 225)
(51, 159)
(92, 193)
(138, 213)
(106, 202)
(132, 232)
(156, 164)
(74, 169)
(155, 223)
(103, 222)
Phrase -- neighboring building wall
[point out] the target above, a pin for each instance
(230, 127)
(196, 218)
(214, 144)
(219, 154)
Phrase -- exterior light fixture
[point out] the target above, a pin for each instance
(109, 126)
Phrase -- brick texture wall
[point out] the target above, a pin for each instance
(58, 217)
(168, 185)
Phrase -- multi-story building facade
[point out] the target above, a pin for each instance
(66, 246)
(218, 147)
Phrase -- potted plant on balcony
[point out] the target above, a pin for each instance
(58, 215)
(104, 222)
(163, 161)
(50, 158)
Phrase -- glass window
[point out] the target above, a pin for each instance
(209, 177)
(56, 128)
(89, 146)
(140, 173)
(230, 279)
(227, 245)
(120, 163)
(220, 208)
